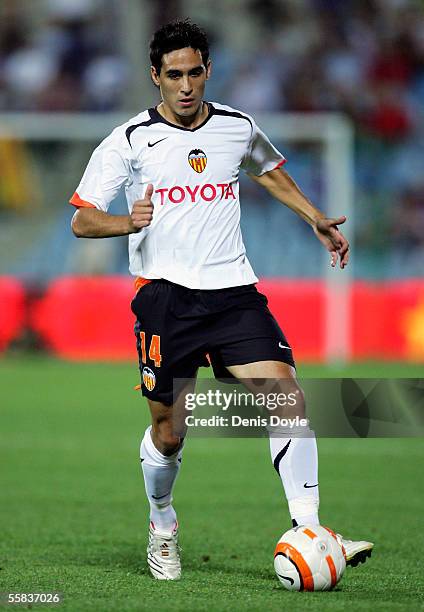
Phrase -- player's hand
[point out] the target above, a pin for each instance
(328, 233)
(142, 212)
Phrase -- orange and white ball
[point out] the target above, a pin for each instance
(309, 558)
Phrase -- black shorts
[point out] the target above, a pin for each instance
(177, 328)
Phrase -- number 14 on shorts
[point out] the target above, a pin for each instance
(154, 349)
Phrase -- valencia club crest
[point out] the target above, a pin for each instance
(197, 160)
(149, 379)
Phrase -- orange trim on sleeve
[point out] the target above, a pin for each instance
(281, 163)
(76, 201)
(140, 282)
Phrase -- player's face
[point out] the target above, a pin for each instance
(182, 82)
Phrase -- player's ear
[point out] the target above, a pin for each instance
(208, 69)
(154, 75)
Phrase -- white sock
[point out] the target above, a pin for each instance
(159, 474)
(295, 458)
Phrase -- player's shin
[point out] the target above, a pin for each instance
(295, 458)
(160, 472)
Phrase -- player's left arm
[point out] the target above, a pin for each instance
(282, 187)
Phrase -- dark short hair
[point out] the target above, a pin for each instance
(178, 35)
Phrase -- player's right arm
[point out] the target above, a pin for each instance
(90, 222)
(109, 169)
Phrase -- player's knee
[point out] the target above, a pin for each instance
(291, 400)
(170, 446)
(166, 441)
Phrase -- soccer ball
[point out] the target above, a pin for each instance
(309, 558)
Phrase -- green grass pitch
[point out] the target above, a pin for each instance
(73, 515)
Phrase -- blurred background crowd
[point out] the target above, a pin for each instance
(65, 59)
(363, 58)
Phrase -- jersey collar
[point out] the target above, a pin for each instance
(157, 117)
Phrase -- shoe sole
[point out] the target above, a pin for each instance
(359, 557)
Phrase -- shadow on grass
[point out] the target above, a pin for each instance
(132, 560)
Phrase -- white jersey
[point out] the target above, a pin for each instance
(194, 238)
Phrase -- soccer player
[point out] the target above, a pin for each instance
(179, 163)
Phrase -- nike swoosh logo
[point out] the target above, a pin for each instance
(152, 144)
(309, 486)
(160, 496)
(286, 578)
(284, 346)
(280, 456)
